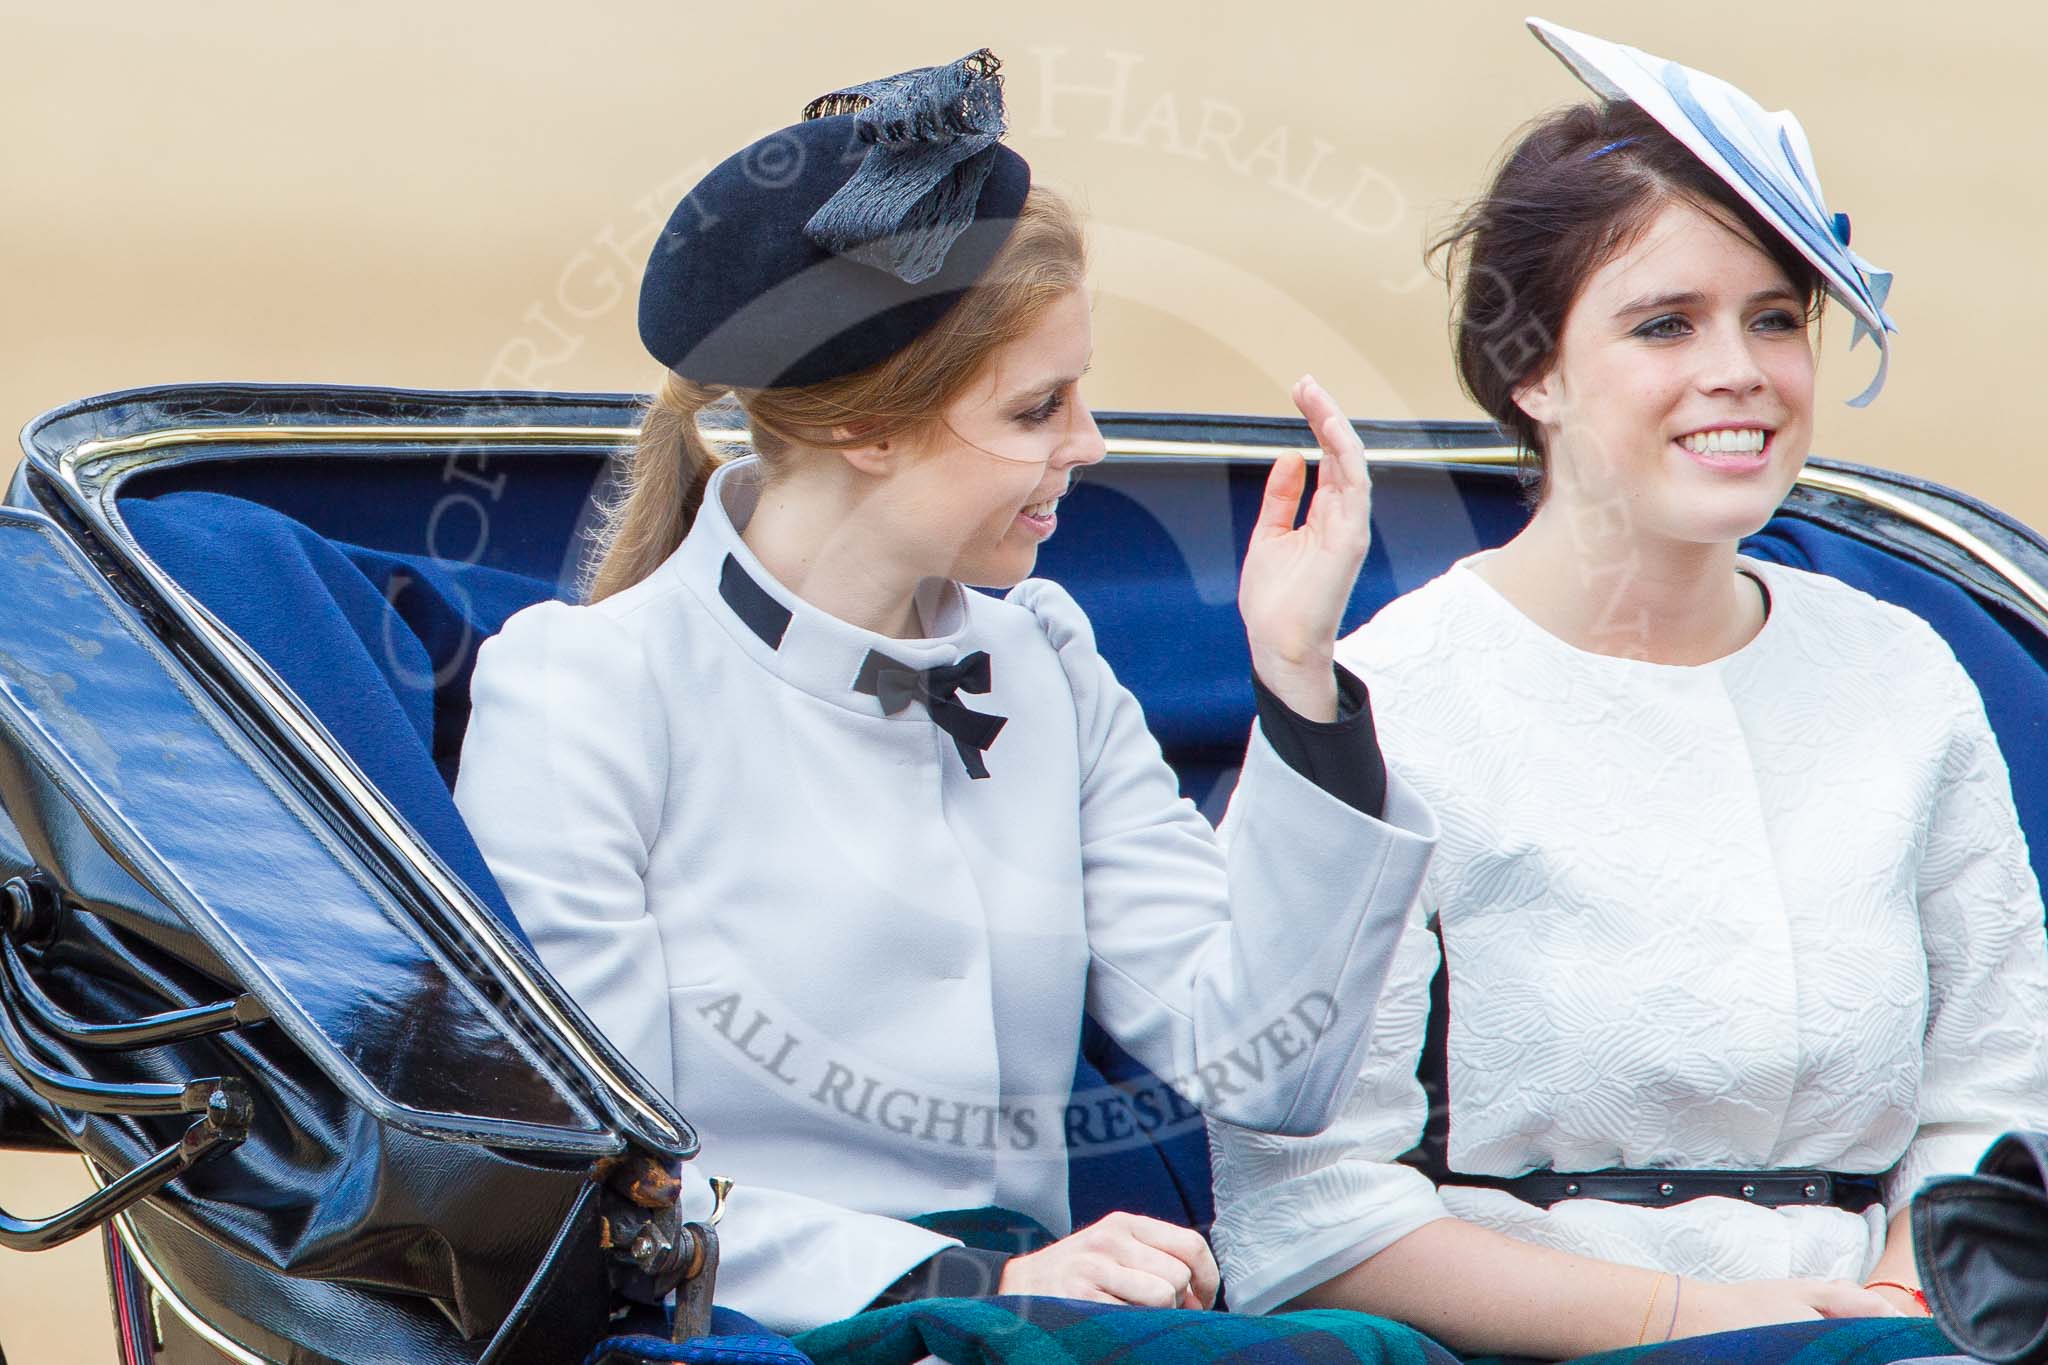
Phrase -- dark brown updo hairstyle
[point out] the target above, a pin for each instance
(1578, 186)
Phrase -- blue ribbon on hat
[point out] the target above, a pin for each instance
(931, 135)
(1828, 239)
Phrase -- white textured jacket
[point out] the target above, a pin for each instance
(860, 972)
(1771, 911)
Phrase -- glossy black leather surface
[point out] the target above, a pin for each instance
(97, 712)
(21, 1124)
(416, 1183)
(321, 1322)
(1981, 1242)
(321, 1193)
(64, 478)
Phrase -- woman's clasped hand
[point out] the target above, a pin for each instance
(1705, 1307)
(1122, 1258)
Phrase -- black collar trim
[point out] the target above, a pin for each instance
(749, 601)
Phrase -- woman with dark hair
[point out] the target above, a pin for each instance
(837, 850)
(1742, 939)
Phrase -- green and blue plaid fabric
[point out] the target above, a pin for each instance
(1037, 1331)
(1843, 1341)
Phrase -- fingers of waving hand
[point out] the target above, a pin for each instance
(1343, 501)
(1297, 579)
(1333, 431)
(1278, 509)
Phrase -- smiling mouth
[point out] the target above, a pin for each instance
(1736, 441)
(1041, 511)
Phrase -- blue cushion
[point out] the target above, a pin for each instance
(379, 639)
(1143, 559)
(735, 1339)
(1133, 1144)
(513, 509)
(379, 646)
(2005, 657)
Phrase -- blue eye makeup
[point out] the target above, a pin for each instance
(1664, 328)
(1672, 326)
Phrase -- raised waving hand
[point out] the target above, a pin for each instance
(1298, 576)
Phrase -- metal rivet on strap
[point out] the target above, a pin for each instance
(1749, 1191)
(1572, 1189)
(1667, 1189)
(1812, 1190)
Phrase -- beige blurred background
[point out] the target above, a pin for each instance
(460, 195)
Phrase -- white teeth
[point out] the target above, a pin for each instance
(1042, 509)
(1749, 440)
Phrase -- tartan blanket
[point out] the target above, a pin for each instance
(1043, 1331)
(1845, 1341)
(1021, 1331)
(1015, 1330)
(1040, 1331)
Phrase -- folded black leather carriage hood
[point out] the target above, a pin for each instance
(77, 456)
(1981, 1242)
(121, 777)
(418, 1173)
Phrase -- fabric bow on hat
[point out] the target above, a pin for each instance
(896, 685)
(824, 248)
(931, 133)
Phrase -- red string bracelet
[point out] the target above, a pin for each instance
(1917, 1296)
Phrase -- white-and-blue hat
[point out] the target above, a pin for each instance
(1763, 156)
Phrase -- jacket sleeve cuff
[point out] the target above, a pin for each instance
(959, 1272)
(1341, 756)
(1307, 1232)
(1930, 1155)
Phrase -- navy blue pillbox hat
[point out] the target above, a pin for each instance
(830, 245)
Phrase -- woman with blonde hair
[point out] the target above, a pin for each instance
(838, 850)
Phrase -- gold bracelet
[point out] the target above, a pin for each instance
(1650, 1307)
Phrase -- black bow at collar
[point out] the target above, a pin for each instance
(896, 685)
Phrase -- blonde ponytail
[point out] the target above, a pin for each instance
(671, 465)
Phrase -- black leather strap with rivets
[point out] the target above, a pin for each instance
(1853, 1193)
(1777, 1188)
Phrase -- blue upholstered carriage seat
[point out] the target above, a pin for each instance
(379, 639)
(381, 647)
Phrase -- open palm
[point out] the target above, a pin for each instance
(1297, 578)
